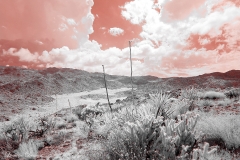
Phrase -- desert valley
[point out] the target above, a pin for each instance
(64, 114)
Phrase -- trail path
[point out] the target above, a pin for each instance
(61, 102)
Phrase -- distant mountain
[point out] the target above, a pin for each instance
(15, 80)
(233, 74)
(211, 80)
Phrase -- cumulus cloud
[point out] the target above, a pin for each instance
(204, 37)
(214, 21)
(116, 31)
(137, 10)
(54, 23)
(186, 37)
(24, 54)
(179, 10)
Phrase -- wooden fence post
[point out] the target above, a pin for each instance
(106, 88)
(131, 71)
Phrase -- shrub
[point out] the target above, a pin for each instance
(60, 124)
(84, 113)
(28, 150)
(213, 95)
(190, 94)
(179, 108)
(17, 131)
(44, 126)
(78, 111)
(225, 102)
(205, 103)
(57, 139)
(71, 118)
(234, 93)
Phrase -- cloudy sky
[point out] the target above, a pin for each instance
(169, 37)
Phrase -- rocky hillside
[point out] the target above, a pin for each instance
(208, 81)
(39, 83)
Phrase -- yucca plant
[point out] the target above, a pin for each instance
(160, 102)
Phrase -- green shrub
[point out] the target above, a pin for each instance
(190, 94)
(71, 118)
(78, 111)
(234, 93)
(179, 107)
(17, 131)
(60, 124)
(213, 95)
(28, 150)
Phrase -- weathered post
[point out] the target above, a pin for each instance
(131, 71)
(56, 102)
(70, 106)
(106, 88)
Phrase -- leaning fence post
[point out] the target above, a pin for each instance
(56, 102)
(106, 88)
(131, 71)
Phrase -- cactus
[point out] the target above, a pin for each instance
(150, 139)
(203, 154)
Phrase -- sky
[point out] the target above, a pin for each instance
(169, 38)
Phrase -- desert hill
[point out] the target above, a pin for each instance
(21, 81)
(207, 81)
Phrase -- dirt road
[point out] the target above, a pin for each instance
(62, 102)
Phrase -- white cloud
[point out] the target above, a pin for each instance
(214, 21)
(137, 10)
(116, 31)
(24, 54)
(63, 27)
(204, 41)
(163, 49)
(71, 21)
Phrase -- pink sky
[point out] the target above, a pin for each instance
(170, 37)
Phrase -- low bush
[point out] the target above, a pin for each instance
(28, 150)
(60, 123)
(17, 131)
(70, 118)
(179, 107)
(213, 95)
(205, 103)
(234, 93)
(78, 111)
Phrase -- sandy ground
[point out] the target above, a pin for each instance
(62, 102)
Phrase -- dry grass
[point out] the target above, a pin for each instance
(224, 127)
(28, 150)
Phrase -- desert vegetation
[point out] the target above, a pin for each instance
(193, 124)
